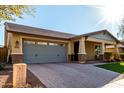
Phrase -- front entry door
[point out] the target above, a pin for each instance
(76, 48)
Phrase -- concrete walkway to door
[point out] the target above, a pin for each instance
(63, 75)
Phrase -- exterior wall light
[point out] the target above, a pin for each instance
(17, 44)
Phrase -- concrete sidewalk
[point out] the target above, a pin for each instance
(115, 84)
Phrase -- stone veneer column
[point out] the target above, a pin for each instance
(16, 48)
(103, 50)
(117, 55)
(17, 58)
(82, 52)
(69, 52)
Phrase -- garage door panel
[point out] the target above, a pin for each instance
(34, 53)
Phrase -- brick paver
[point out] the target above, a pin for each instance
(65, 75)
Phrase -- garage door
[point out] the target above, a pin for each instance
(43, 52)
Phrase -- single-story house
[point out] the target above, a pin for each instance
(35, 45)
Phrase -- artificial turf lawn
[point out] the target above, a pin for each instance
(116, 67)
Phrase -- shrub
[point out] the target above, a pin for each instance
(2, 65)
(122, 63)
(108, 56)
(113, 56)
(122, 56)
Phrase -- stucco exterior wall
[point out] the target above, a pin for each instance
(16, 50)
(89, 44)
(90, 50)
(20, 38)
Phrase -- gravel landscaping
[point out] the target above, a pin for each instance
(6, 79)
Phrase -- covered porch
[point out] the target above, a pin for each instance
(85, 48)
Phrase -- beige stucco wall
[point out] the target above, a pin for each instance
(20, 38)
(89, 44)
(90, 50)
(16, 37)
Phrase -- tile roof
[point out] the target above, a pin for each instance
(95, 33)
(17, 28)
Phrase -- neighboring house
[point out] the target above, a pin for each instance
(34, 45)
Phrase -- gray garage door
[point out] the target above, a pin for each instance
(35, 53)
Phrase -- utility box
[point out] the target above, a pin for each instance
(19, 74)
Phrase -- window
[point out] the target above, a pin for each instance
(53, 44)
(42, 43)
(29, 42)
(98, 49)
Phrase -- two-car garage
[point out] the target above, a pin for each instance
(37, 45)
(44, 52)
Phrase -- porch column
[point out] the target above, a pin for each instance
(117, 56)
(116, 47)
(69, 52)
(103, 50)
(82, 52)
(16, 53)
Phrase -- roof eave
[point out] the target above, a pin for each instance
(36, 35)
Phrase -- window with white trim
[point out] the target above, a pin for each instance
(53, 44)
(30, 42)
(42, 43)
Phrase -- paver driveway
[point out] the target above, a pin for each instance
(63, 75)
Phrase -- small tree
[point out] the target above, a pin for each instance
(120, 34)
(11, 12)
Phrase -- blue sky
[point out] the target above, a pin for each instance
(70, 19)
